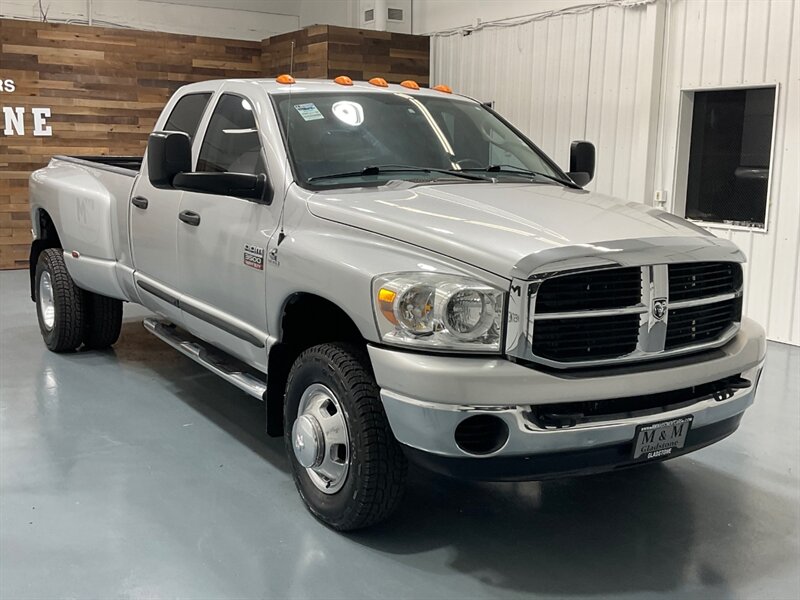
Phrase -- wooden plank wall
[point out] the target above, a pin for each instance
(363, 54)
(310, 53)
(327, 51)
(106, 88)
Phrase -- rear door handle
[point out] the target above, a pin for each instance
(190, 218)
(140, 202)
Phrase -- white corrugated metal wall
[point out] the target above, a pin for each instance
(598, 75)
(564, 78)
(712, 43)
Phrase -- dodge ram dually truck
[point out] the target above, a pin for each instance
(400, 274)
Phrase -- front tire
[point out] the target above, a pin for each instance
(347, 465)
(59, 303)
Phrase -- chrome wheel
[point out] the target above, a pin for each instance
(320, 440)
(46, 304)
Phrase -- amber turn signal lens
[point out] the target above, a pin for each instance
(386, 304)
(284, 78)
(443, 88)
(412, 85)
(343, 80)
(379, 81)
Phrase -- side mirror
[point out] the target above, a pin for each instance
(168, 153)
(581, 162)
(240, 185)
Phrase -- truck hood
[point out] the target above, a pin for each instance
(495, 226)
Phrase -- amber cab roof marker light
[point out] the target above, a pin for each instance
(286, 79)
(343, 80)
(379, 81)
(443, 88)
(408, 83)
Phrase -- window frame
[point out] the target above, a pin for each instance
(683, 149)
(217, 98)
(208, 93)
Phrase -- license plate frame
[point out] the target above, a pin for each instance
(661, 439)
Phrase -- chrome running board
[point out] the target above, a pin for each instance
(213, 359)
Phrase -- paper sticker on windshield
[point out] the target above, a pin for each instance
(309, 111)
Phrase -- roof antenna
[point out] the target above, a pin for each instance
(281, 234)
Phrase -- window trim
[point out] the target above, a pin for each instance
(208, 93)
(683, 148)
(217, 99)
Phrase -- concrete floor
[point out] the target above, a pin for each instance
(136, 474)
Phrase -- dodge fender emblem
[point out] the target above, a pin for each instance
(659, 308)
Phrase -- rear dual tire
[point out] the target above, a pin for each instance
(69, 316)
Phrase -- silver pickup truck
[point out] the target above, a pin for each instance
(400, 274)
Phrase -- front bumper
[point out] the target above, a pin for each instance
(549, 465)
(426, 397)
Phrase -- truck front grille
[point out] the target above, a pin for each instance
(591, 290)
(689, 281)
(702, 323)
(602, 316)
(594, 338)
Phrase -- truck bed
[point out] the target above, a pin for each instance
(87, 199)
(131, 164)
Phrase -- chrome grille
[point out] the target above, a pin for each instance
(689, 281)
(603, 316)
(586, 339)
(697, 324)
(590, 290)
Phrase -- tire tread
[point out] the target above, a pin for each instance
(67, 332)
(103, 321)
(383, 464)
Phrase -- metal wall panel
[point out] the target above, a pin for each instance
(744, 43)
(615, 76)
(559, 79)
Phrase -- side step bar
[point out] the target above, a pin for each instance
(216, 361)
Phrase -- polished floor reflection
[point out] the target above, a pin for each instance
(136, 474)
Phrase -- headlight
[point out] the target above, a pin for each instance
(446, 312)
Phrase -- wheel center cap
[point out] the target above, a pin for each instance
(308, 441)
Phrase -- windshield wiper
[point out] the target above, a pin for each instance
(377, 170)
(525, 172)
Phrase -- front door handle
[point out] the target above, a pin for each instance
(140, 202)
(190, 218)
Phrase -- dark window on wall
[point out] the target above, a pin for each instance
(187, 113)
(729, 156)
(231, 143)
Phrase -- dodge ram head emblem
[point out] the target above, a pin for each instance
(659, 308)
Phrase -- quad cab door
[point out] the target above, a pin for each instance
(222, 240)
(154, 220)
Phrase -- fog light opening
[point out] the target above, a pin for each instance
(481, 434)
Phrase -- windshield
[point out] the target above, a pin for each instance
(336, 140)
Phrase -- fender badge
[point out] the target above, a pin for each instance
(254, 257)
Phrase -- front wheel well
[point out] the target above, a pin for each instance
(48, 238)
(308, 320)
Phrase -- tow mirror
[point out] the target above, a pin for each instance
(239, 185)
(168, 153)
(581, 162)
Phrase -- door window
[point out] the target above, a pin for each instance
(231, 143)
(187, 113)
